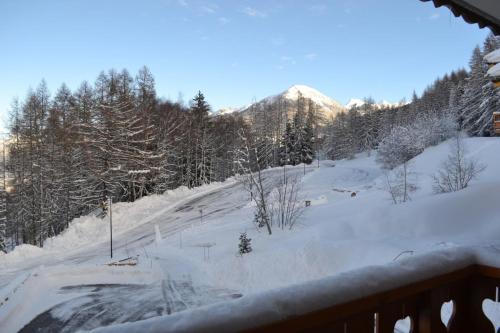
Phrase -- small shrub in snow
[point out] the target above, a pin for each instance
(244, 246)
(458, 170)
(401, 183)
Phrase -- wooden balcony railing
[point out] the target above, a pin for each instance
(422, 301)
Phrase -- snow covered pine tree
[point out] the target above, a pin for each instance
(244, 245)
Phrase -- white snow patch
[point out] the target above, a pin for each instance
(494, 71)
(493, 57)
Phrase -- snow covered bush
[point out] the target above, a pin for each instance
(394, 153)
(400, 146)
(244, 246)
(432, 129)
(458, 170)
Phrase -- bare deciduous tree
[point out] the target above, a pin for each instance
(400, 183)
(250, 158)
(458, 170)
(285, 203)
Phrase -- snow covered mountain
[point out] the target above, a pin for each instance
(356, 103)
(227, 110)
(287, 99)
(322, 101)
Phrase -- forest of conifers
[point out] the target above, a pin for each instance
(71, 150)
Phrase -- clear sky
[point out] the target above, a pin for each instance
(234, 51)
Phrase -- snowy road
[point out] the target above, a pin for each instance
(171, 220)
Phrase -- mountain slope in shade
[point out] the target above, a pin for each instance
(325, 105)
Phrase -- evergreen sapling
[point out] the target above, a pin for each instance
(244, 246)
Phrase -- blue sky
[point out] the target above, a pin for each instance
(234, 51)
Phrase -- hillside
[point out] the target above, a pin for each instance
(170, 239)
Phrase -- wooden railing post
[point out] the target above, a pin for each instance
(430, 310)
(481, 288)
(469, 316)
(389, 314)
(425, 316)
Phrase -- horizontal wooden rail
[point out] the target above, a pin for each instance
(421, 301)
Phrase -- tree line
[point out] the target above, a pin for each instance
(463, 100)
(113, 139)
(69, 152)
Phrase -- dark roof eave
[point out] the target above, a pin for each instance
(471, 14)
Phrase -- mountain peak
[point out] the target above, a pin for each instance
(354, 102)
(312, 94)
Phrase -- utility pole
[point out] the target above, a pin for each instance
(41, 205)
(4, 167)
(251, 191)
(110, 199)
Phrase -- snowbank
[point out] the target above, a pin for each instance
(493, 57)
(89, 230)
(494, 71)
(21, 252)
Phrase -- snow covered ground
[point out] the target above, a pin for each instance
(191, 260)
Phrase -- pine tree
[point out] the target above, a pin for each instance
(288, 146)
(339, 141)
(472, 113)
(245, 244)
(307, 144)
(200, 169)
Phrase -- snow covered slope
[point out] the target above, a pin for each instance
(227, 110)
(354, 103)
(192, 259)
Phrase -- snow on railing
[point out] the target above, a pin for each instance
(370, 299)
